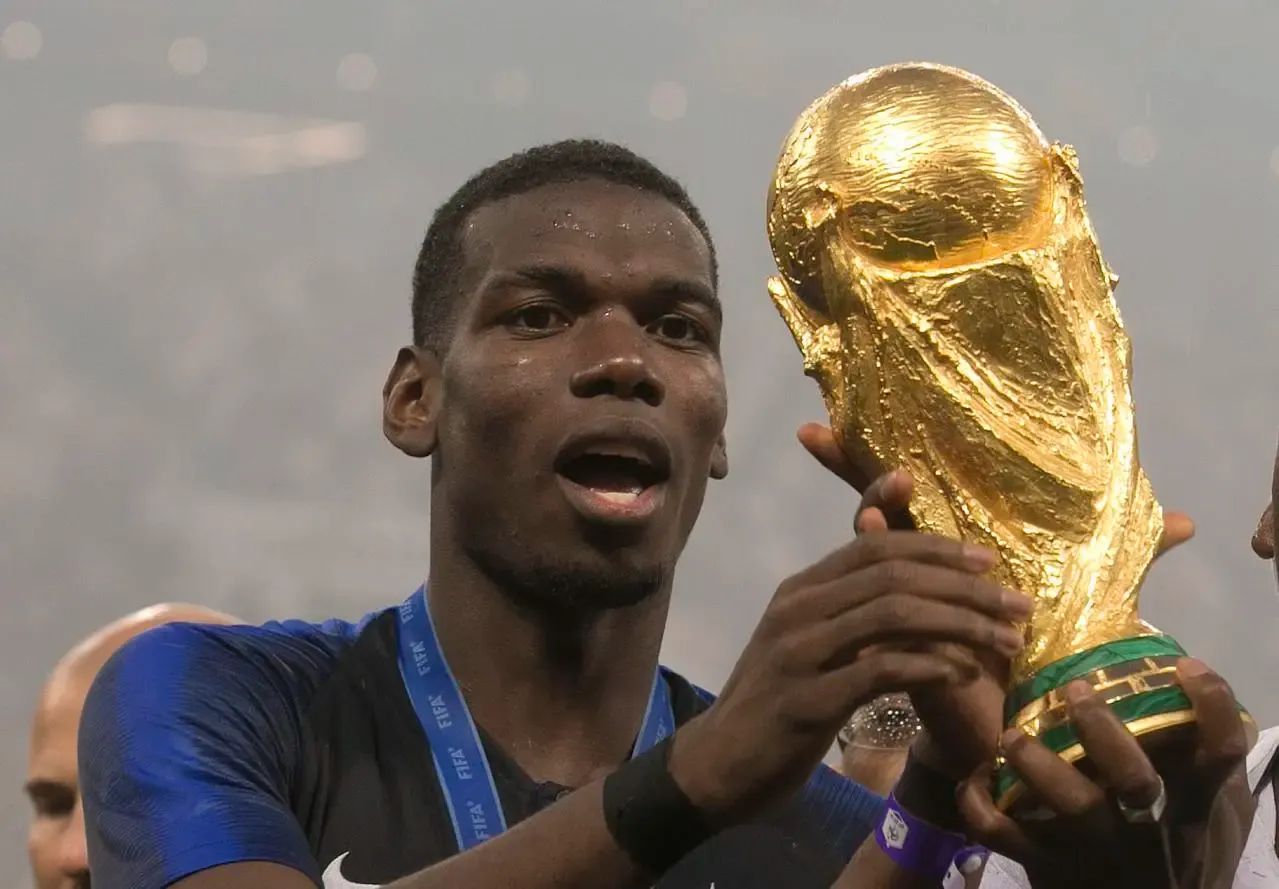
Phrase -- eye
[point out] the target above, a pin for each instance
(679, 329)
(54, 802)
(538, 318)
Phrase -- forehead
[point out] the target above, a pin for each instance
(53, 732)
(595, 226)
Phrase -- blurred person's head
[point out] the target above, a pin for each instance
(564, 376)
(56, 842)
(875, 743)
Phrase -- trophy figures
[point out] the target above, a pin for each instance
(940, 275)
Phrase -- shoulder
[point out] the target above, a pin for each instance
(190, 741)
(176, 663)
(237, 690)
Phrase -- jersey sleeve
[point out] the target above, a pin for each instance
(188, 743)
(844, 811)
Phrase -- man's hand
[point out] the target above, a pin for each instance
(968, 715)
(1196, 844)
(836, 635)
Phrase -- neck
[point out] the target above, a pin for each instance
(564, 695)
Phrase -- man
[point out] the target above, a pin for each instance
(56, 842)
(565, 378)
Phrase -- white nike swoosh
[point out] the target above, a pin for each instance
(333, 878)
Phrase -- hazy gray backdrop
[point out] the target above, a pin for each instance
(209, 213)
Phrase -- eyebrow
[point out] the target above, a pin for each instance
(572, 282)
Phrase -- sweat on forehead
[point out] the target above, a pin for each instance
(586, 215)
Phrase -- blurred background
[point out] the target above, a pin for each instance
(209, 214)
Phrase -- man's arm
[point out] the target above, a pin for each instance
(815, 656)
(569, 845)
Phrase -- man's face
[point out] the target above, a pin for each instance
(56, 842)
(583, 404)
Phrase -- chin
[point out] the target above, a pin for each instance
(582, 582)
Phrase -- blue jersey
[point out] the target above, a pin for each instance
(297, 743)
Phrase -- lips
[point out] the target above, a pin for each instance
(615, 472)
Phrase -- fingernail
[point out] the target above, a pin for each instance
(1078, 691)
(1017, 605)
(1011, 738)
(1192, 668)
(1009, 640)
(979, 558)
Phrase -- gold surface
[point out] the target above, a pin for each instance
(945, 286)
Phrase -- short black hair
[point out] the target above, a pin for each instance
(440, 259)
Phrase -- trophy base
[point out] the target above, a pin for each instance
(1137, 678)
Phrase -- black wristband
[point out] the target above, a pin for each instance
(928, 794)
(649, 816)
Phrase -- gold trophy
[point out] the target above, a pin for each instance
(942, 279)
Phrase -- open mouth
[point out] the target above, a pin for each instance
(616, 478)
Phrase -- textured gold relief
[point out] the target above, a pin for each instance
(942, 279)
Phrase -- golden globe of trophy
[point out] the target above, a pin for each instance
(940, 275)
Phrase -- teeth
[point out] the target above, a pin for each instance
(622, 455)
(618, 496)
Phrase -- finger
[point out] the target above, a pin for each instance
(858, 589)
(889, 492)
(966, 664)
(1223, 740)
(1263, 539)
(908, 619)
(832, 697)
(890, 495)
(883, 546)
(1058, 785)
(821, 443)
(1121, 763)
(1178, 528)
(989, 826)
(870, 520)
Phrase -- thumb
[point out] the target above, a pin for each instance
(821, 443)
(1178, 528)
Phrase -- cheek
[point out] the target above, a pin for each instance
(708, 411)
(42, 845)
(487, 409)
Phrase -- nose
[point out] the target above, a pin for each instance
(617, 361)
(73, 853)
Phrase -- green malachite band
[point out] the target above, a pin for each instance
(1152, 703)
(1078, 666)
(1130, 709)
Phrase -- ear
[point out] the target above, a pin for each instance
(1263, 540)
(719, 458)
(411, 401)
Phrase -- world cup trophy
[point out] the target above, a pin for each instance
(941, 277)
